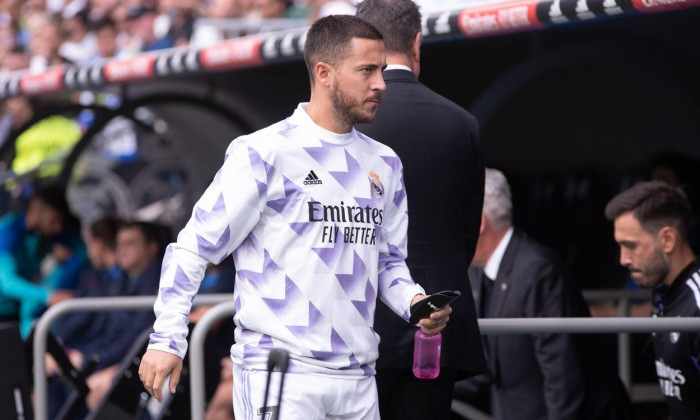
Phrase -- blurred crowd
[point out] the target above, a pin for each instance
(47, 256)
(37, 34)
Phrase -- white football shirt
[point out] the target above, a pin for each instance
(316, 222)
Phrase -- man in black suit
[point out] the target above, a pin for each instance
(438, 143)
(538, 376)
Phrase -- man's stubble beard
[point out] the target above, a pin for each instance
(658, 269)
(348, 111)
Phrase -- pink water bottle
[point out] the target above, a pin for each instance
(426, 355)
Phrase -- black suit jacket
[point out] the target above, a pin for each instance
(547, 376)
(439, 145)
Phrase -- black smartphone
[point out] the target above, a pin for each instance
(432, 303)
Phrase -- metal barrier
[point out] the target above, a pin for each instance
(87, 304)
(224, 307)
(196, 348)
(487, 326)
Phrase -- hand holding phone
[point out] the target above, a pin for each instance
(432, 303)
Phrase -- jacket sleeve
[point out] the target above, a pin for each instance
(396, 287)
(556, 353)
(222, 218)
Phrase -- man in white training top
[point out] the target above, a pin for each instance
(314, 214)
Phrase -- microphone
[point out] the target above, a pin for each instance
(278, 358)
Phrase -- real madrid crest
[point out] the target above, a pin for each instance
(376, 185)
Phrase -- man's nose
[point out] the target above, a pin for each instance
(625, 259)
(378, 83)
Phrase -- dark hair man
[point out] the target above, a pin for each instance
(81, 332)
(651, 226)
(25, 239)
(439, 145)
(102, 278)
(138, 257)
(316, 224)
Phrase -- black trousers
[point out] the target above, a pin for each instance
(402, 396)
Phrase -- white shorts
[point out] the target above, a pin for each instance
(304, 397)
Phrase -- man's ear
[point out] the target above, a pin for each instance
(668, 239)
(415, 48)
(323, 73)
(482, 226)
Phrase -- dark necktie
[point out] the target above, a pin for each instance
(486, 291)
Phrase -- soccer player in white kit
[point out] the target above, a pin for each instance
(314, 214)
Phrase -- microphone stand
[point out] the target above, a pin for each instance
(278, 358)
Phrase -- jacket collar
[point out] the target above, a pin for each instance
(494, 262)
(398, 74)
(665, 294)
(503, 279)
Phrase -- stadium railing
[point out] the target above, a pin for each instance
(41, 331)
(223, 306)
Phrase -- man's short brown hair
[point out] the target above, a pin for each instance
(655, 204)
(105, 229)
(329, 39)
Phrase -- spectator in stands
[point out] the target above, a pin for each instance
(277, 9)
(79, 331)
(32, 6)
(80, 43)
(8, 35)
(271, 9)
(14, 113)
(100, 9)
(16, 60)
(58, 273)
(230, 8)
(20, 12)
(139, 33)
(537, 376)
(46, 38)
(651, 222)
(25, 239)
(322, 8)
(106, 37)
(139, 252)
(119, 14)
(102, 278)
(11, 15)
(164, 18)
(211, 33)
(27, 10)
(176, 24)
